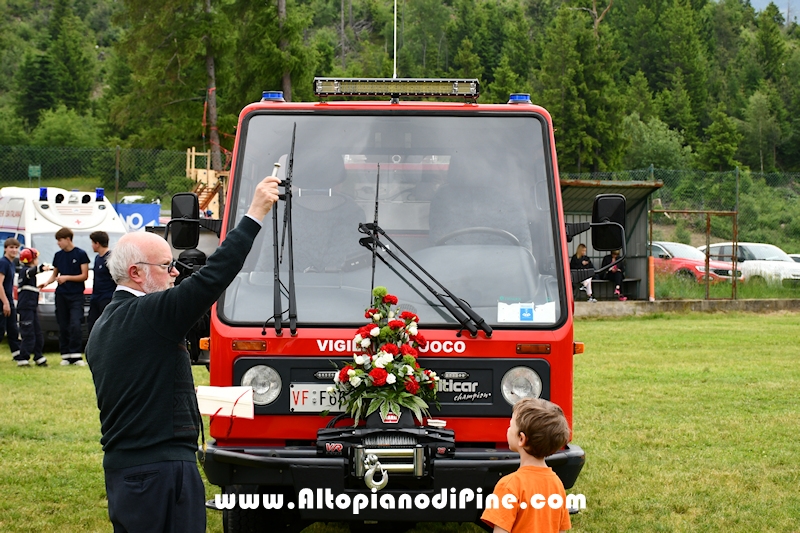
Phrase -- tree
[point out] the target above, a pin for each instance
(653, 143)
(638, 97)
(167, 46)
(505, 82)
(675, 106)
(466, 63)
(576, 84)
(74, 66)
(12, 128)
(761, 133)
(770, 47)
(722, 141)
(683, 51)
(64, 127)
(259, 62)
(35, 88)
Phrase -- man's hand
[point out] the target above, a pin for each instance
(6, 309)
(265, 195)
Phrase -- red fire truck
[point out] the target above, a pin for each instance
(459, 202)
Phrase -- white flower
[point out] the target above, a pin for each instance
(391, 379)
(408, 370)
(361, 359)
(331, 390)
(355, 381)
(357, 339)
(391, 314)
(376, 317)
(336, 378)
(412, 328)
(434, 376)
(382, 359)
(365, 343)
(374, 332)
(351, 372)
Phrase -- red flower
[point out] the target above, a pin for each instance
(408, 315)
(390, 348)
(343, 377)
(397, 324)
(370, 312)
(390, 299)
(412, 386)
(406, 349)
(416, 365)
(420, 340)
(378, 376)
(364, 330)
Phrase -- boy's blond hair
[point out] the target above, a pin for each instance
(543, 424)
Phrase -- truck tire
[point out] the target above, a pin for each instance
(244, 520)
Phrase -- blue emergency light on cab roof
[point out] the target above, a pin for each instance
(42, 194)
(272, 96)
(99, 194)
(519, 98)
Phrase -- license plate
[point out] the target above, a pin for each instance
(313, 398)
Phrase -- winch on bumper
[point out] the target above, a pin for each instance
(413, 461)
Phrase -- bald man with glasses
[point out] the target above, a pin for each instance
(142, 373)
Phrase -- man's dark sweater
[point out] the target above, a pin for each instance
(141, 368)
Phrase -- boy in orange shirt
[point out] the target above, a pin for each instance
(534, 493)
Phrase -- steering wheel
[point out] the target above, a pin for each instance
(510, 237)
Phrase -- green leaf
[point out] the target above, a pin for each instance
(373, 406)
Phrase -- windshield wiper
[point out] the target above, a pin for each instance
(469, 321)
(278, 257)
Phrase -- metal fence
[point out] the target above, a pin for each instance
(155, 175)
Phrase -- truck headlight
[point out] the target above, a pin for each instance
(520, 382)
(266, 383)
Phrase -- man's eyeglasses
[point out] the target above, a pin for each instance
(169, 266)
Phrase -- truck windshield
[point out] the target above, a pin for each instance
(469, 197)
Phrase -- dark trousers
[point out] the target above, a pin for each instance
(32, 337)
(96, 307)
(164, 497)
(69, 313)
(9, 324)
(615, 278)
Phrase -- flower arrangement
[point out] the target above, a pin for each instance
(384, 374)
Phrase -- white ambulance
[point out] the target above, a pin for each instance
(34, 215)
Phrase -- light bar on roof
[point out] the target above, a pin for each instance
(396, 87)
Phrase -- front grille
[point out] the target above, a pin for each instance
(388, 439)
(721, 272)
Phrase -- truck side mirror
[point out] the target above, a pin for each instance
(185, 223)
(608, 222)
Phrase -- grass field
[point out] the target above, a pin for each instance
(690, 423)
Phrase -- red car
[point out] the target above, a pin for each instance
(688, 262)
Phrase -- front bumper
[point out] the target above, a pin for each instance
(472, 473)
(49, 324)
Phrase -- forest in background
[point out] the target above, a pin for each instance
(698, 85)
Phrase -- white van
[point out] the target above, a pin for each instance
(34, 215)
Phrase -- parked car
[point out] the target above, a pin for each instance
(795, 257)
(759, 262)
(688, 262)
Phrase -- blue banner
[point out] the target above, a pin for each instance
(137, 216)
